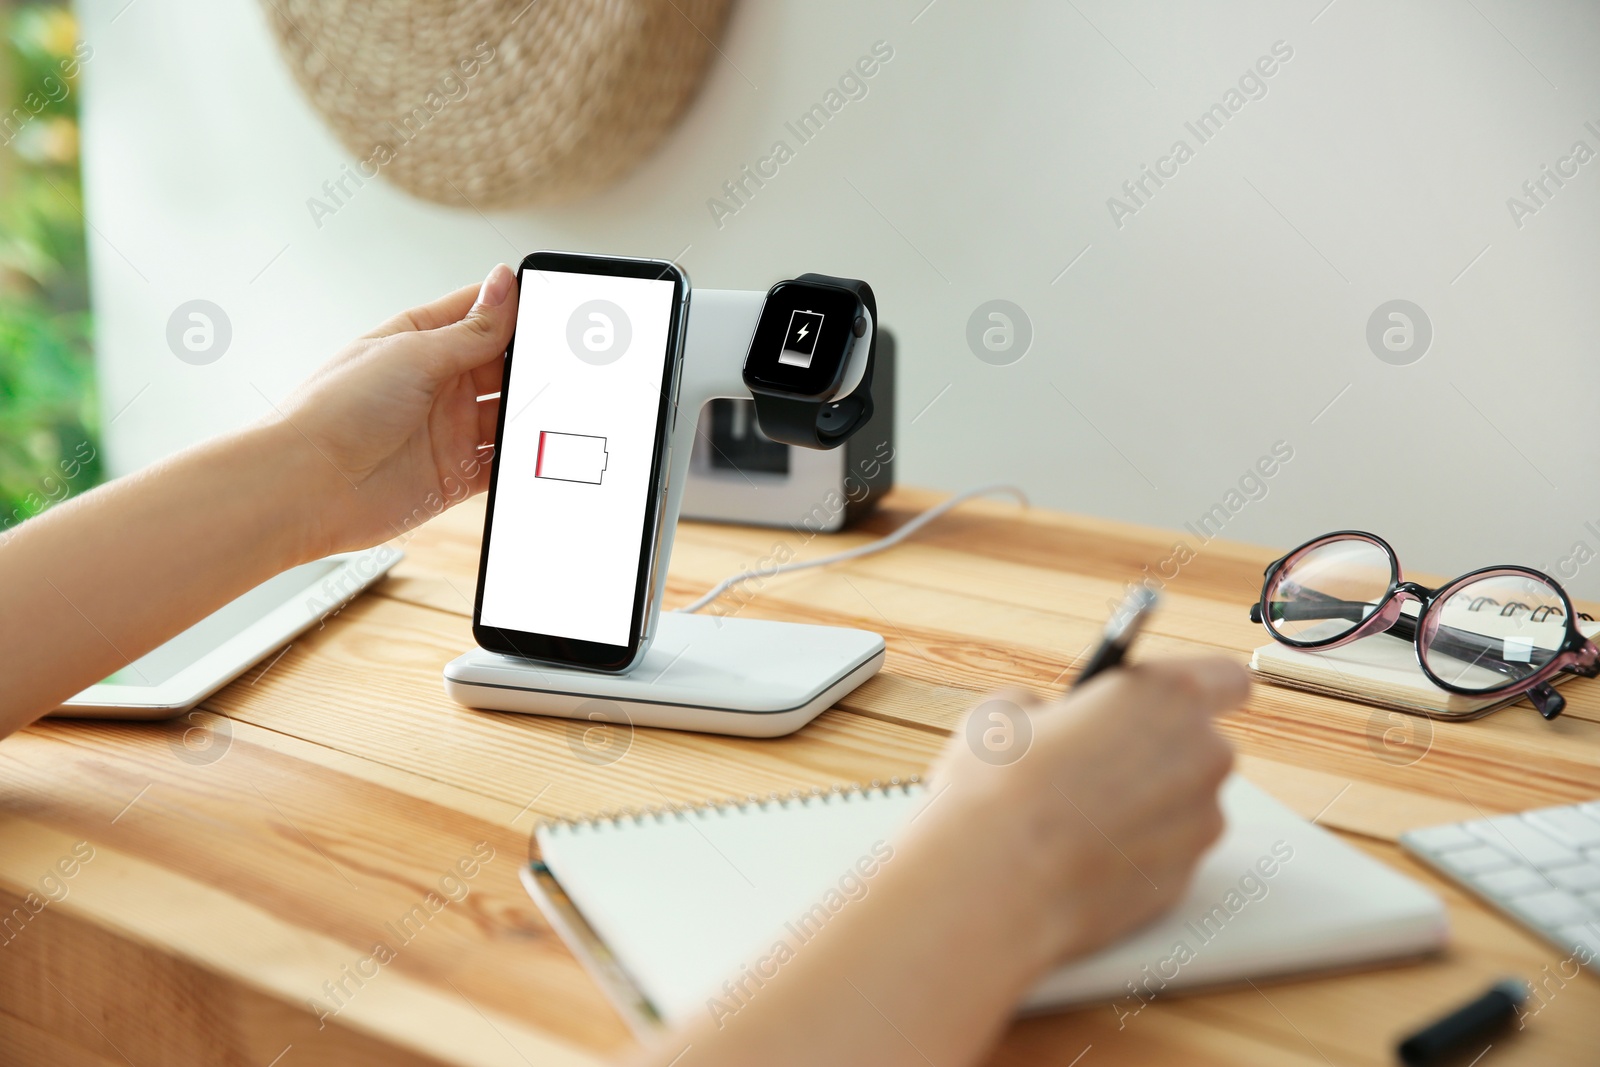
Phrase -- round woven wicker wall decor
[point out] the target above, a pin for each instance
(498, 103)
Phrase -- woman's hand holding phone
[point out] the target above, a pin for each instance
(384, 436)
(394, 419)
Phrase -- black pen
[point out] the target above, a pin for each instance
(1123, 626)
(1467, 1027)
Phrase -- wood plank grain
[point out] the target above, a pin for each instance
(203, 931)
(28, 1043)
(281, 844)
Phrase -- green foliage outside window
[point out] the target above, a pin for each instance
(49, 421)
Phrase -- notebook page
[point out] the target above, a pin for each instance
(689, 904)
(686, 901)
(1277, 895)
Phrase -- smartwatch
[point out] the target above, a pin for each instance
(800, 359)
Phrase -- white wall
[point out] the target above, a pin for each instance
(1222, 317)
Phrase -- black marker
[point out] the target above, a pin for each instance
(1123, 626)
(1467, 1027)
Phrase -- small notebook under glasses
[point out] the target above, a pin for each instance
(1380, 671)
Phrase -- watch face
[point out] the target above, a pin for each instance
(804, 339)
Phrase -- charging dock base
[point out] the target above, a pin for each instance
(746, 677)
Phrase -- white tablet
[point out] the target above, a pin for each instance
(176, 676)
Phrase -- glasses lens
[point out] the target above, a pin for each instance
(1329, 590)
(1493, 632)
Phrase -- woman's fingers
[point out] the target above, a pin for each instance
(1211, 685)
(488, 422)
(489, 377)
(477, 339)
(455, 308)
(430, 316)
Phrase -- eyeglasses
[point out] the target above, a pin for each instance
(1493, 631)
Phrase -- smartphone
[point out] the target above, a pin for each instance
(577, 485)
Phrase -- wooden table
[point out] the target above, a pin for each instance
(247, 860)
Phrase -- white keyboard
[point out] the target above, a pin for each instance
(1540, 867)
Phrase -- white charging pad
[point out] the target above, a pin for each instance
(747, 677)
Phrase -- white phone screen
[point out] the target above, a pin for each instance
(572, 494)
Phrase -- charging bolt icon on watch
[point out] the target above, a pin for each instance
(800, 343)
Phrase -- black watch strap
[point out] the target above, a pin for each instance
(822, 424)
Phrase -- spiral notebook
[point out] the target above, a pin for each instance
(1382, 670)
(692, 909)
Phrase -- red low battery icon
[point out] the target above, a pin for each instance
(571, 457)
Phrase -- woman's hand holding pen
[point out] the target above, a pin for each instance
(1092, 829)
(1096, 828)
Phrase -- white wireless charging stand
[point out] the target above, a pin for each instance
(712, 673)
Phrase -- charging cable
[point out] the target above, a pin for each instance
(862, 550)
